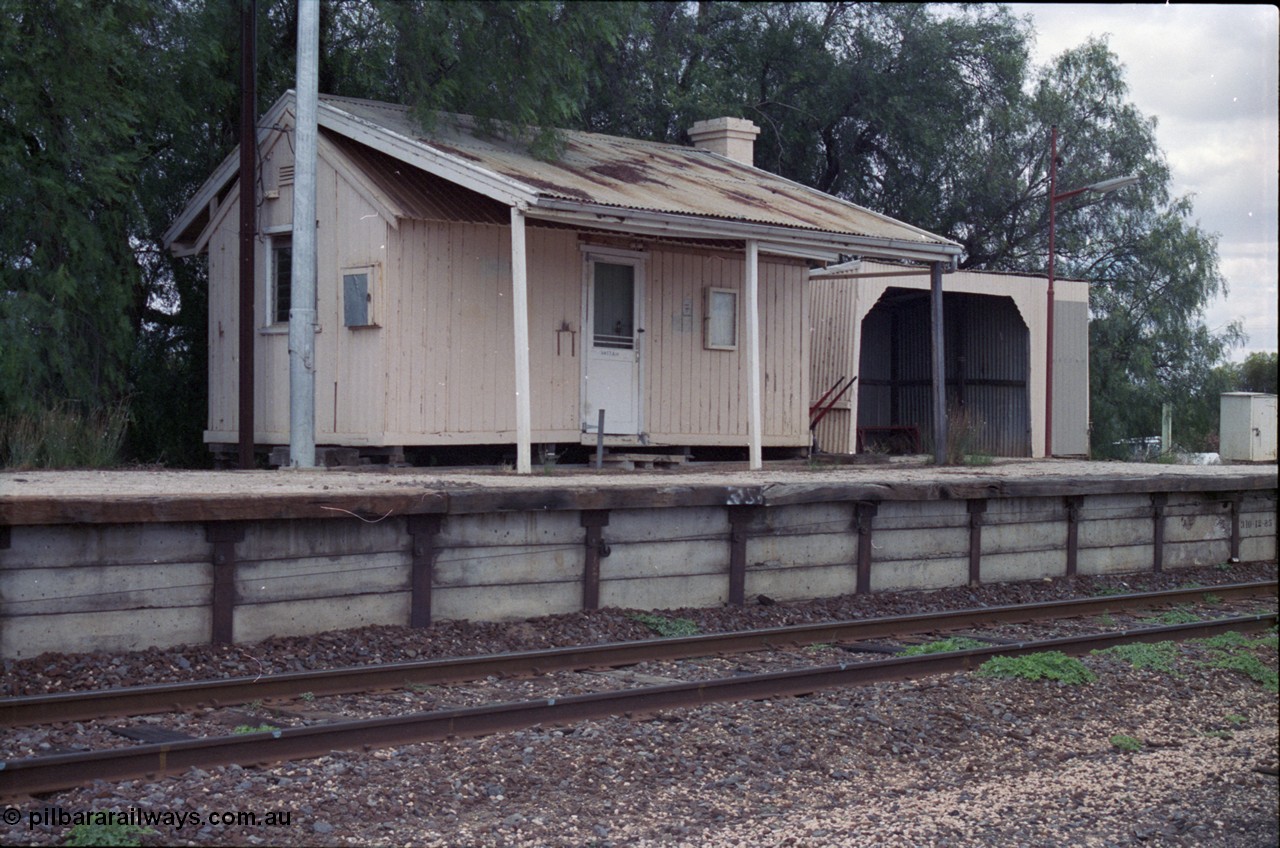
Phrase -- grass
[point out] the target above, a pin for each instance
(1235, 719)
(1128, 744)
(1104, 591)
(1046, 665)
(954, 643)
(666, 627)
(1177, 615)
(63, 437)
(1239, 653)
(108, 834)
(1210, 598)
(1159, 656)
(241, 729)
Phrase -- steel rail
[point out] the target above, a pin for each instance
(175, 697)
(64, 771)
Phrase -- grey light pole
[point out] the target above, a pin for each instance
(1097, 188)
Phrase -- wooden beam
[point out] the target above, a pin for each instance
(224, 536)
(977, 508)
(594, 520)
(520, 315)
(1073, 533)
(739, 518)
(755, 449)
(423, 530)
(1158, 502)
(863, 512)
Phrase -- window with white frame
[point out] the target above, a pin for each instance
(720, 319)
(357, 296)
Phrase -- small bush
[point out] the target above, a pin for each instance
(1046, 665)
(63, 437)
(241, 729)
(1236, 652)
(667, 627)
(1177, 615)
(1126, 743)
(108, 834)
(1160, 656)
(955, 643)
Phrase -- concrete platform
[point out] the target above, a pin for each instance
(127, 559)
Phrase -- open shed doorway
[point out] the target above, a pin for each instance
(988, 364)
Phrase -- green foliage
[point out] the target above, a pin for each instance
(1236, 652)
(954, 643)
(114, 113)
(1128, 744)
(108, 834)
(1258, 373)
(1159, 656)
(1235, 719)
(443, 59)
(1210, 598)
(1046, 665)
(1177, 615)
(63, 438)
(664, 626)
(241, 729)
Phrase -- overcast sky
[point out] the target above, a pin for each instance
(1208, 74)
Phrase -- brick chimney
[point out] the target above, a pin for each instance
(731, 137)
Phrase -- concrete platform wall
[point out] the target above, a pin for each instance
(127, 586)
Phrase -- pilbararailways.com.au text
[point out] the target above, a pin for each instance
(138, 817)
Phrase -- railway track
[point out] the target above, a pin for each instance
(174, 697)
(51, 773)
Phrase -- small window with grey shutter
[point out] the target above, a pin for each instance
(357, 297)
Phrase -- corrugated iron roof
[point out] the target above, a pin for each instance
(641, 175)
(418, 194)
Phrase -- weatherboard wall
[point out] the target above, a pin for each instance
(435, 365)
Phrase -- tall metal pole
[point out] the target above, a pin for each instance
(520, 318)
(248, 223)
(939, 364)
(755, 444)
(1048, 372)
(302, 304)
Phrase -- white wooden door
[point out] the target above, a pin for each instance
(611, 373)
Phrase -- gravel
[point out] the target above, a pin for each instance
(957, 760)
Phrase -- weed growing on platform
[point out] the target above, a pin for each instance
(1046, 665)
(1159, 656)
(954, 643)
(113, 834)
(664, 626)
(1126, 743)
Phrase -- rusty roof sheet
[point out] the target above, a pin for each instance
(642, 175)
